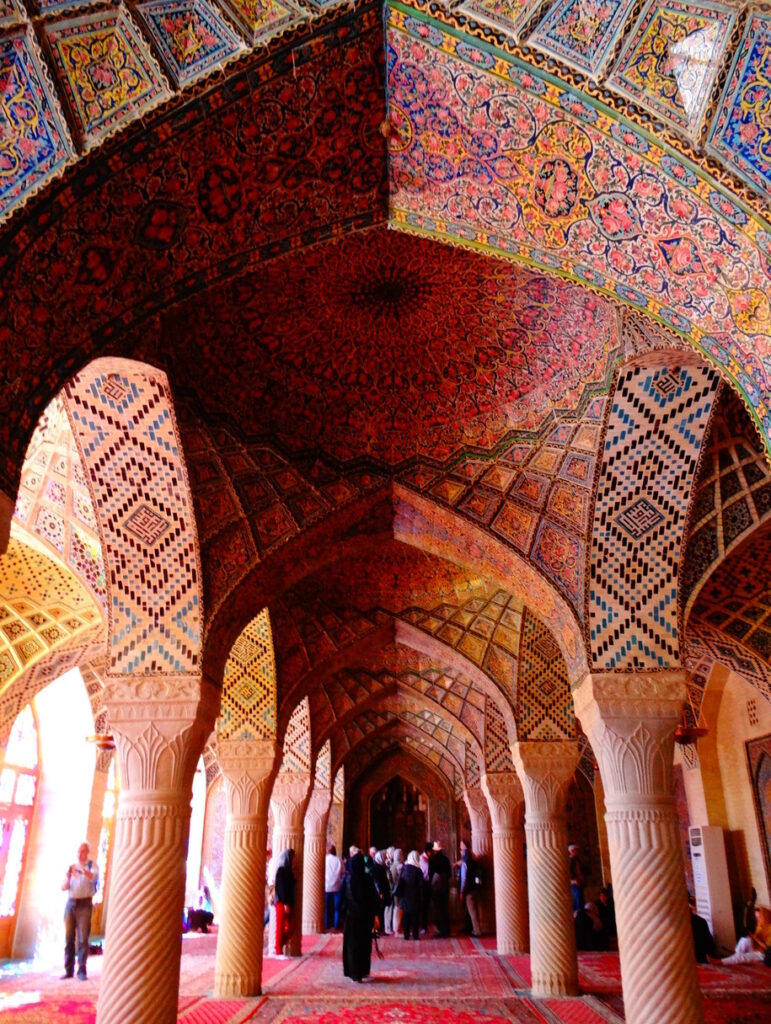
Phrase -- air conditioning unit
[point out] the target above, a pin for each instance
(710, 882)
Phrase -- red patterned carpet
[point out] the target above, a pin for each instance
(434, 981)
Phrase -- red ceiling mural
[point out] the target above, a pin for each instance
(391, 347)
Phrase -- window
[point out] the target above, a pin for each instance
(18, 788)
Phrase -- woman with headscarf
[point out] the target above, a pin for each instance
(362, 903)
(283, 899)
(410, 893)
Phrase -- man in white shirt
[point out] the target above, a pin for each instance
(80, 885)
(333, 881)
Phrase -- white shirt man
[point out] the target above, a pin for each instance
(333, 881)
(80, 885)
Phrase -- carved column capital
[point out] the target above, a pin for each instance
(545, 769)
(317, 812)
(249, 768)
(630, 720)
(478, 811)
(288, 800)
(160, 725)
(505, 800)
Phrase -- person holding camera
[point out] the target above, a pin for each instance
(80, 885)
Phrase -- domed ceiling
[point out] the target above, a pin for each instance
(388, 346)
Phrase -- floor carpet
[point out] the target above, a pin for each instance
(432, 981)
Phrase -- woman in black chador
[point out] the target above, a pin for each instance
(362, 905)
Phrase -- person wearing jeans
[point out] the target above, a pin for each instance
(80, 885)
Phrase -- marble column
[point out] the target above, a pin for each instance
(314, 861)
(506, 802)
(249, 768)
(288, 801)
(160, 726)
(481, 849)
(630, 720)
(545, 769)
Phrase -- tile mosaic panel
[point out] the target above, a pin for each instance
(106, 72)
(297, 742)
(34, 142)
(191, 37)
(672, 58)
(497, 741)
(262, 20)
(544, 705)
(248, 709)
(122, 418)
(510, 16)
(651, 453)
(582, 33)
(11, 13)
(741, 131)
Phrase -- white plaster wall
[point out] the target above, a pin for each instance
(733, 731)
(61, 817)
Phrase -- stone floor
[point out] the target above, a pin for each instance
(434, 981)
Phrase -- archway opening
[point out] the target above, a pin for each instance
(398, 816)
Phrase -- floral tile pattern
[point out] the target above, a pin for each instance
(34, 141)
(582, 33)
(741, 133)
(509, 15)
(261, 20)
(106, 72)
(672, 58)
(191, 36)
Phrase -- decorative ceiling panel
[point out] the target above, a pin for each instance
(390, 347)
(582, 33)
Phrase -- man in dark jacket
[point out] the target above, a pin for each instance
(439, 878)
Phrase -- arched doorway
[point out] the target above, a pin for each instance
(398, 816)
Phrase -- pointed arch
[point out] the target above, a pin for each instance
(248, 709)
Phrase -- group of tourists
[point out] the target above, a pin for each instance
(595, 922)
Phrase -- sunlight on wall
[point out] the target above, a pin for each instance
(61, 816)
(195, 842)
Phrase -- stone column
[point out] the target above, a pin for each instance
(314, 861)
(249, 767)
(630, 720)
(545, 769)
(288, 801)
(160, 726)
(507, 812)
(481, 848)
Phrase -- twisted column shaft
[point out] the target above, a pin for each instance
(249, 768)
(160, 726)
(289, 800)
(506, 802)
(314, 861)
(481, 848)
(545, 769)
(630, 720)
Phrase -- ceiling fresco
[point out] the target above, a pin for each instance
(388, 347)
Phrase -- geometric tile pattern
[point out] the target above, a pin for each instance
(736, 598)
(261, 20)
(35, 141)
(124, 426)
(731, 496)
(497, 740)
(44, 610)
(544, 705)
(472, 773)
(338, 791)
(106, 72)
(671, 60)
(655, 430)
(190, 35)
(484, 629)
(54, 504)
(707, 643)
(509, 16)
(248, 709)
(323, 776)
(741, 132)
(297, 757)
(582, 34)
(11, 13)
